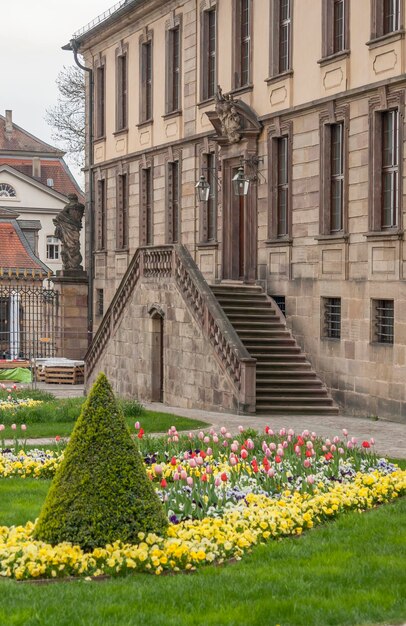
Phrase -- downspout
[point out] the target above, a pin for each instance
(89, 221)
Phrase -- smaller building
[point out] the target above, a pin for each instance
(34, 182)
(28, 306)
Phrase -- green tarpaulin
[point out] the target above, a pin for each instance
(18, 374)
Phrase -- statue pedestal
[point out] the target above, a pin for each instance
(72, 331)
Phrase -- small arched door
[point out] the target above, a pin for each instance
(157, 355)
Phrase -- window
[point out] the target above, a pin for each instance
(146, 81)
(385, 173)
(280, 176)
(208, 54)
(99, 302)
(281, 37)
(147, 215)
(173, 202)
(386, 17)
(337, 178)
(173, 72)
(122, 211)
(335, 27)
(100, 102)
(390, 16)
(390, 168)
(283, 187)
(52, 248)
(383, 321)
(121, 82)
(101, 240)
(7, 191)
(331, 318)
(243, 43)
(208, 210)
(281, 302)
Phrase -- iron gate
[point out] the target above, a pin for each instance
(27, 321)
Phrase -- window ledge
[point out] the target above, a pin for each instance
(387, 38)
(102, 252)
(121, 250)
(122, 131)
(145, 123)
(333, 238)
(381, 235)
(279, 77)
(381, 344)
(172, 114)
(244, 89)
(331, 58)
(208, 245)
(333, 339)
(279, 241)
(100, 139)
(205, 102)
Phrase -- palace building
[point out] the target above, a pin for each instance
(245, 203)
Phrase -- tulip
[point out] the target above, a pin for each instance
(336, 439)
(333, 448)
(164, 483)
(158, 469)
(372, 441)
(209, 451)
(285, 444)
(189, 481)
(234, 446)
(328, 442)
(282, 432)
(190, 435)
(340, 451)
(228, 435)
(225, 443)
(223, 430)
(307, 463)
(173, 429)
(345, 432)
(310, 479)
(208, 469)
(136, 425)
(366, 444)
(175, 438)
(244, 454)
(199, 460)
(268, 453)
(241, 429)
(57, 438)
(201, 435)
(272, 446)
(23, 427)
(203, 478)
(13, 426)
(350, 445)
(2, 427)
(175, 476)
(206, 440)
(305, 434)
(309, 445)
(224, 477)
(183, 475)
(271, 472)
(215, 439)
(233, 461)
(192, 463)
(217, 481)
(250, 444)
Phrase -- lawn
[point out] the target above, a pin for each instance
(57, 417)
(341, 573)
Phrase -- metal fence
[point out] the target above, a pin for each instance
(28, 318)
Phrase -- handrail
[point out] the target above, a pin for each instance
(175, 261)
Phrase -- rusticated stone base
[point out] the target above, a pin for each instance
(192, 376)
(71, 334)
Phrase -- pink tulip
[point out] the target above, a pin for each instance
(336, 439)
(2, 427)
(271, 472)
(189, 481)
(345, 432)
(310, 479)
(192, 463)
(175, 438)
(307, 463)
(173, 429)
(282, 432)
(217, 481)
(225, 443)
(183, 475)
(158, 469)
(241, 429)
(328, 442)
(297, 450)
(201, 435)
(13, 427)
(223, 430)
(209, 451)
(199, 460)
(23, 427)
(350, 445)
(206, 440)
(324, 448)
(340, 451)
(250, 444)
(190, 435)
(208, 469)
(268, 453)
(272, 446)
(354, 440)
(215, 439)
(305, 434)
(314, 435)
(233, 461)
(291, 432)
(309, 445)
(285, 444)
(234, 447)
(372, 441)
(175, 475)
(333, 448)
(212, 431)
(137, 425)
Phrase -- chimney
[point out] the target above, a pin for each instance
(9, 121)
(36, 167)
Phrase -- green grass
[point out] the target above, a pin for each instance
(57, 417)
(349, 572)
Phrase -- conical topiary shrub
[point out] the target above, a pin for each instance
(100, 492)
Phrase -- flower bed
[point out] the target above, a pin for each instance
(222, 495)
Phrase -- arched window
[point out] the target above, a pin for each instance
(7, 191)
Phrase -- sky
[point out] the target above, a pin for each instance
(33, 32)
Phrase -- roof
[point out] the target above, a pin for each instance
(56, 169)
(15, 251)
(121, 8)
(19, 140)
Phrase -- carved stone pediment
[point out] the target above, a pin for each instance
(232, 119)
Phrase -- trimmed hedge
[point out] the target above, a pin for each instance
(100, 493)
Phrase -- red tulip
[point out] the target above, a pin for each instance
(224, 477)
(328, 456)
(164, 483)
(365, 444)
(278, 459)
(174, 461)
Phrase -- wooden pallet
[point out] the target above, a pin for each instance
(10, 365)
(74, 375)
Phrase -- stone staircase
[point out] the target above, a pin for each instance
(285, 380)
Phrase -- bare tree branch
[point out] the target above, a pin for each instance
(67, 117)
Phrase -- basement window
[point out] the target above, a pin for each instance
(281, 302)
(383, 315)
(99, 302)
(331, 318)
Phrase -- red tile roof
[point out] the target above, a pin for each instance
(56, 169)
(15, 252)
(22, 141)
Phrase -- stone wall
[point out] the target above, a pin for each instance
(193, 377)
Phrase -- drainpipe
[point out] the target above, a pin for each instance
(90, 220)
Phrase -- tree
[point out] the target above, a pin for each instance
(68, 116)
(101, 492)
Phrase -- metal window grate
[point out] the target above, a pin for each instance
(384, 321)
(332, 318)
(100, 302)
(281, 302)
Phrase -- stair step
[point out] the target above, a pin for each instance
(290, 383)
(263, 331)
(286, 409)
(294, 400)
(284, 376)
(247, 310)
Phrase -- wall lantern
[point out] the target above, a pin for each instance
(203, 189)
(241, 183)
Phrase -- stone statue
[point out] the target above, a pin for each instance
(68, 224)
(228, 115)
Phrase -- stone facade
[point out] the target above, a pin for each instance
(359, 263)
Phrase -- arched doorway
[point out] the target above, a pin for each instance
(157, 353)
